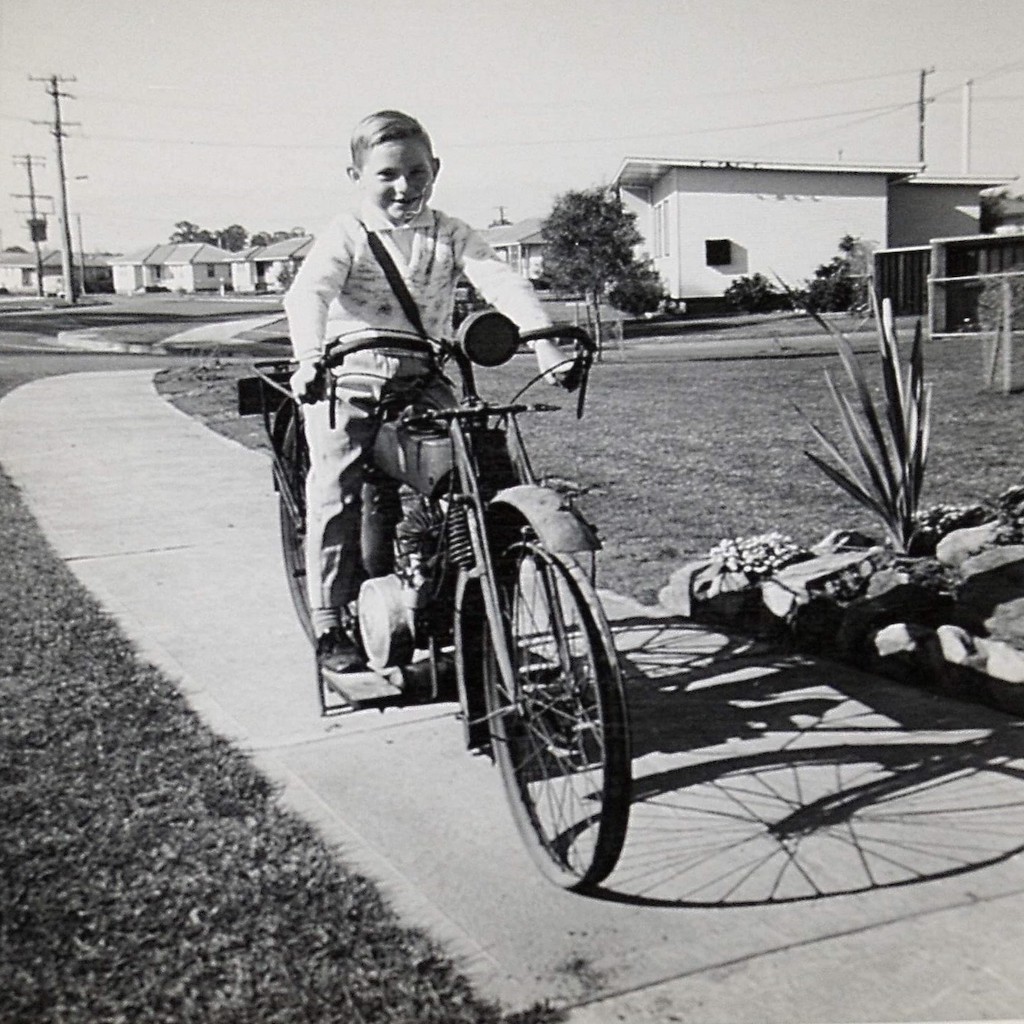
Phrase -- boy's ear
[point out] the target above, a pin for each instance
(353, 174)
(437, 166)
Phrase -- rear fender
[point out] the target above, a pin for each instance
(551, 516)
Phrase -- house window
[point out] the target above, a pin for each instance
(26, 277)
(211, 270)
(718, 252)
(661, 231)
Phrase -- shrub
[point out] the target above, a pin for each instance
(938, 521)
(754, 294)
(840, 284)
(1010, 514)
(757, 557)
(990, 304)
(637, 291)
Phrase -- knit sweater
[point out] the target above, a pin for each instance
(340, 287)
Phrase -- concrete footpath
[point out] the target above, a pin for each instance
(807, 844)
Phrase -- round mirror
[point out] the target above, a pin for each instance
(488, 338)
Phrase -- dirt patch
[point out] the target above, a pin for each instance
(208, 392)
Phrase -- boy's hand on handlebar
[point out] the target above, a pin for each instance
(551, 361)
(307, 382)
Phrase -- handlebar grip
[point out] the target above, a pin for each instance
(570, 331)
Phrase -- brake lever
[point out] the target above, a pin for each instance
(581, 396)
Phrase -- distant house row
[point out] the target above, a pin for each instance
(192, 267)
(200, 267)
(19, 273)
(174, 267)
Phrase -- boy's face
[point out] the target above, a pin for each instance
(398, 177)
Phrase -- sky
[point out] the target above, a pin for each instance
(222, 112)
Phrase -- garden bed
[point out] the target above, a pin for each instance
(949, 616)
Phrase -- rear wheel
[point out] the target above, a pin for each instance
(558, 717)
(295, 464)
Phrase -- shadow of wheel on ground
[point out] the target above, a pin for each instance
(763, 778)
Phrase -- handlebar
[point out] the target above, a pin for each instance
(337, 351)
(575, 379)
(567, 331)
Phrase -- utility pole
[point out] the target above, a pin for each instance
(36, 232)
(922, 102)
(965, 164)
(57, 130)
(81, 256)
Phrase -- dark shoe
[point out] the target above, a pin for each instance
(335, 652)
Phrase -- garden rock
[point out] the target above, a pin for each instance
(904, 651)
(956, 547)
(899, 602)
(844, 540)
(993, 591)
(795, 585)
(676, 594)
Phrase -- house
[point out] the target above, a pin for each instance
(707, 222)
(936, 270)
(521, 245)
(262, 268)
(19, 274)
(174, 266)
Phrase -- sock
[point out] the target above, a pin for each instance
(324, 620)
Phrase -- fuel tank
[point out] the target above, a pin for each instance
(417, 456)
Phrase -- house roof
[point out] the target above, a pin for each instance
(969, 181)
(645, 171)
(286, 248)
(520, 233)
(175, 253)
(52, 258)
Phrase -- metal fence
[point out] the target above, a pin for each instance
(993, 310)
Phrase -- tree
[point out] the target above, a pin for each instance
(186, 231)
(590, 239)
(233, 238)
(269, 237)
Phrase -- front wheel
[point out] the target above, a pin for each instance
(559, 727)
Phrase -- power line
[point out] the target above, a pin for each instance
(887, 108)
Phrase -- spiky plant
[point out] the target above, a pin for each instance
(890, 447)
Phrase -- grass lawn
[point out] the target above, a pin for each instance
(674, 455)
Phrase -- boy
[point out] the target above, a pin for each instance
(340, 288)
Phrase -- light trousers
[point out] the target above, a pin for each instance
(334, 484)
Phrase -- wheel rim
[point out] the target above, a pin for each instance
(293, 537)
(550, 725)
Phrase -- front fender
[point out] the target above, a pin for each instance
(558, 525)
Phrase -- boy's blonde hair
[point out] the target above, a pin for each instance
(385, 126)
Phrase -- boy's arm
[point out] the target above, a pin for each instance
(323, 273)
(320, 278)
(512, 295)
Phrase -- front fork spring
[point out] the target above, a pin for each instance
(460, 544)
